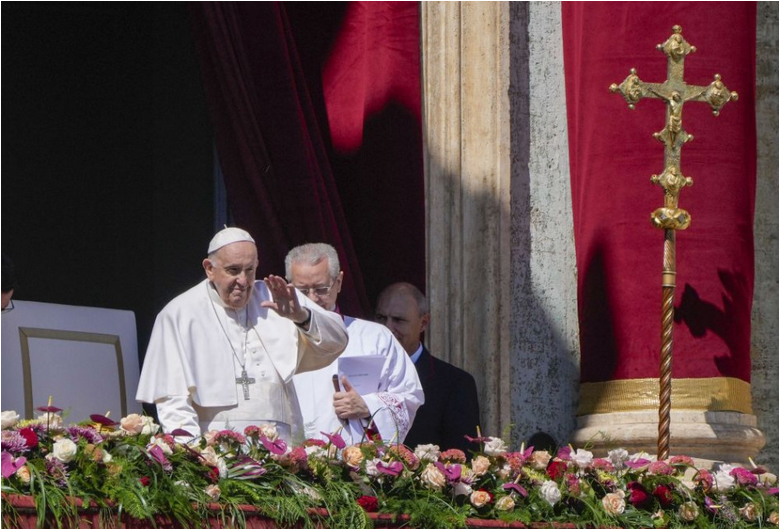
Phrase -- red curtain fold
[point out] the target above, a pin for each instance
(287, 83)
(612, 156)
(277, 173)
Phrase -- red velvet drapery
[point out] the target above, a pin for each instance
(612, 155)
(275, 76)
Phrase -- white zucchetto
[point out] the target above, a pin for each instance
(227, 236)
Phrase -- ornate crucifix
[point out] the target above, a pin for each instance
(675, 93)
(245, 381)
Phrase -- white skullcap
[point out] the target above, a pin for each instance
(227, 236)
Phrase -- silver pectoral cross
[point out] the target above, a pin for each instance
(245, 381)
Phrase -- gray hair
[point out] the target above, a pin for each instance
(410, 290)
(312, 254)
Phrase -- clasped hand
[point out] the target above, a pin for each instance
(349, 404)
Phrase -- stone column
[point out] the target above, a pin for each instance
(501, 267)
(465, 58)
(765, 335)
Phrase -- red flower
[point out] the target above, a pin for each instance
(664, 495)
(145, 481)
(30, 437)
(368, 503)
(556, 469)
(214, 474)
(639, 496)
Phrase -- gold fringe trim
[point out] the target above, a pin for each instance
(703, 394)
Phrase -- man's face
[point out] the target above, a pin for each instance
(400, 314)
(233, 273)
(314, 281)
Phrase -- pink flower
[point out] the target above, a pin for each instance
(335, 439)
(392, 469)
(703, 479)
(515, 461)
(11, 465)
(681, 460)
(603, 464)
(405, 455)
(480, 498)
(453, 455)
(743, 476)
(661, 468)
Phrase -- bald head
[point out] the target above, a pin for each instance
(403, 309)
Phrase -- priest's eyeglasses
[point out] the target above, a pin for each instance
(320, 291)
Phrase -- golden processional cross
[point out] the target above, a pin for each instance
(675, 93)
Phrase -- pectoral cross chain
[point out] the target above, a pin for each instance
(245, 381)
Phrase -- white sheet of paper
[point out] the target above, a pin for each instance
(364, 372)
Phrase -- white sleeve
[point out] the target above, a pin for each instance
(177, 412)
(400, 394)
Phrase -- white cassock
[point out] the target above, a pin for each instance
(210, 367)
(392, 407)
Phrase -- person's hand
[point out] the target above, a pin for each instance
(284, 300)
(350, 404)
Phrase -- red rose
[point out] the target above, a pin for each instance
(214, 474)
(30, 437)
(145, 481)
(639, 496)
(664, 495)
(556, 469)
(368, 503)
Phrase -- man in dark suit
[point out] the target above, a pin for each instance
(451, 408)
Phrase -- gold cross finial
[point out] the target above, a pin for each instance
(675, 93)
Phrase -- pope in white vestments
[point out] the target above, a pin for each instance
(223, 354)
(389, 398)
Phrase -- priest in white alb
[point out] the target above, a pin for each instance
(385, 392)
(223, 354)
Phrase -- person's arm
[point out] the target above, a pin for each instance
(462, 413)
(177, 412)
(400, 394)
(322, 334)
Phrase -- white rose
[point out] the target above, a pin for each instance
(64, 450)
(541, 459)
(23, 473)
(462, 489)
(132, 424)
(768, 480)
(689, 511)
(371, 467)
(506, 503)
(480, 465)
(106, 458)
(149, 427)
(53, 420)
(614, 502)
(550, 492)
(495, 447)
(433, 478)
(480, 498)
(749, 512)
(582, 458)
(618, 457)
(213, 491)
(222, 467)
(269, 431)
(427, 452)
(209, 456)
(316, 452)
(723, 480)
(9, 418)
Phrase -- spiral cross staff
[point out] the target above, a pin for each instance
(675, 93)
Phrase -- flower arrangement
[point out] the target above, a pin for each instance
(131, 467)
